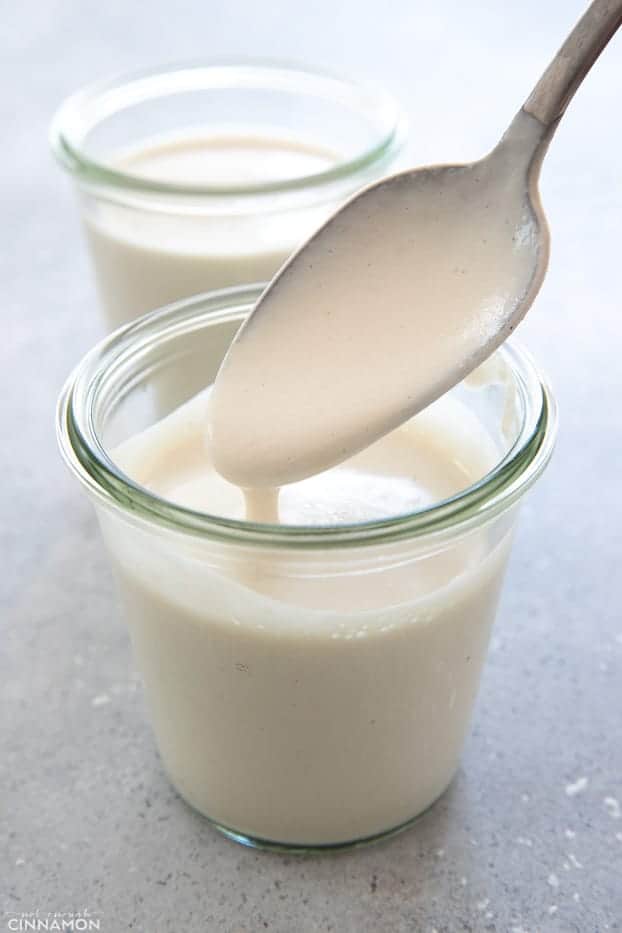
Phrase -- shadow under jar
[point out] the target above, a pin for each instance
(309, 686)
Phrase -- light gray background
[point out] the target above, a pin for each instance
(89, 819)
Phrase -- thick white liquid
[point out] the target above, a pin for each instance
(304, 697)
(147, 258)
(315, 697)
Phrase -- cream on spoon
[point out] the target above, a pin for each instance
(403, 292)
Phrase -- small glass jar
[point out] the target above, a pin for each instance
(300, 142)
(309, 686)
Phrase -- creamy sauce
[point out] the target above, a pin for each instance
(311, 697)
(397, 299)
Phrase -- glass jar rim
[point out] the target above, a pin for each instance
(86, 456)
(70, 124)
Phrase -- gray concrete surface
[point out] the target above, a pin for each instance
(529, 838)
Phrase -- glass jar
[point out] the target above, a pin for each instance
(275, 149)
(309, 686)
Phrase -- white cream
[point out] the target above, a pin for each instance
(312, 697)
(146, 258)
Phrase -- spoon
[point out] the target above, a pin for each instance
(408, 287)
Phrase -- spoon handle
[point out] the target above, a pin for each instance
(555, 89)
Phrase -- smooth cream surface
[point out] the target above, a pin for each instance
(432, 457)
(147, 254)
(225, 159)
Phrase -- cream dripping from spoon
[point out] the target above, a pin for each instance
(395, 299)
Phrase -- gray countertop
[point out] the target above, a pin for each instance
(529, 837)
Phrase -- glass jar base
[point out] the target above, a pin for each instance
(306, 848)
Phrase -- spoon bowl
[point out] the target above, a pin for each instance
(383, 326)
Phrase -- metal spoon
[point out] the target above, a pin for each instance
(398, 296)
